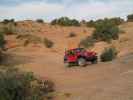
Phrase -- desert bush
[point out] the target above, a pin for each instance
(54, 22)
(48, 43)
(9, 21)
(116, 20)
(29, 38)
(6, 21)
(108, 54)
(40, 21)
(83, 22)
(72, 34)
(105, 31)
(65, 21)
(9, 27)
(23, 36)
(74, 22)
(26, 43)
(90, 23)
(67, 95)
(87, 42)
(2, 45)
(9, 30)
(17, 85)
(130, 18)
(2, 40)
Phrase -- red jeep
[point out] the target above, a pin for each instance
(79, 56)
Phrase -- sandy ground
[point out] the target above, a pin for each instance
(103, 81)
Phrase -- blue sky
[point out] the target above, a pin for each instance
(50, 9)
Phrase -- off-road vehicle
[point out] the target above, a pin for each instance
(79, 56)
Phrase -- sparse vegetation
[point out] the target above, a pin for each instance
(8, 27)
(67, 95)
(105, 31)
(2, 45)
(26, 42)
(48, 43)
(28, 38)
(40, 21)
(87, 42)
(22, 36)
(130, 18)
(72, 34)
(2, 41)
(65, 21)
(90, 23)
(54, 22)
(7, 21)
(108, 54)
(17, 85)
(116, 21)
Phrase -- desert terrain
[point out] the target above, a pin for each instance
(102, 81)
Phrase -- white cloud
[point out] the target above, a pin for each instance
(96, 10)
(31, 10)
(91, 9)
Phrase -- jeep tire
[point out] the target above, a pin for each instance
(81, 62)
(94, 61)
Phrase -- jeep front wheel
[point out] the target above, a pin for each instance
(81, 62)
(94, 61)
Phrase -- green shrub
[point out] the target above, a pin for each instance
(90, 23)
(28, 38)
(130, 18)
(72, 34)
(48, 43)
(105, 31)
(40, 21)
(8, 28)
(54, 22)
(108, 54)
(87, 42)
(74, 22)
(16, 85)
(6, 21)
(83, 22)
(65, 21)
(117, 20)
(9, 21)
(2, 40)
(2, 45)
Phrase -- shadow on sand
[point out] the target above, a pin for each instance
(14, 60)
